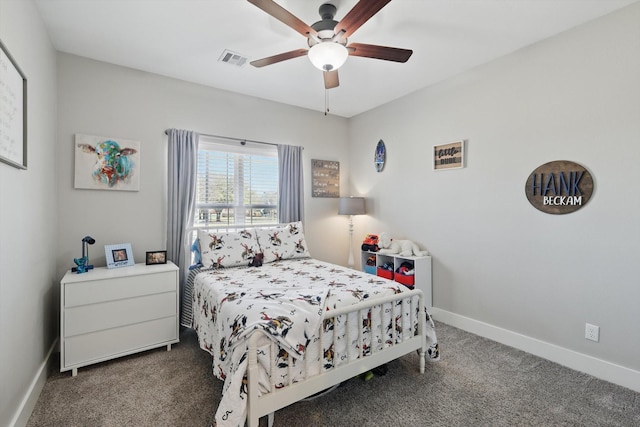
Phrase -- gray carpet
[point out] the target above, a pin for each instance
(478, 382)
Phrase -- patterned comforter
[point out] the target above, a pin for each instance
(286, 300)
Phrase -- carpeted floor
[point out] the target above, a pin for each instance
(478, 382)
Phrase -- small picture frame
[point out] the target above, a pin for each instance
(156, 257)
(119, 255)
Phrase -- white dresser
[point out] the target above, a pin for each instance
(108, 313)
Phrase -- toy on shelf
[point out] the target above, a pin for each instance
(387, 266)
(370, 243)
(406, 269)
(405, 274)
(387, 245)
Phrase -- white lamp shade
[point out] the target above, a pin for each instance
(351, 206)
(328, 55)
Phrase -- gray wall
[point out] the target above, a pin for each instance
(97, 98)
(497, 260)
(28, 220)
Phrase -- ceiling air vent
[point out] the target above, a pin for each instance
(232, 58)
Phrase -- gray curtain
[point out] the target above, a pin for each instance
(183, 160)
(290, 180)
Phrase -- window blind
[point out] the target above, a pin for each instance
(236, 185)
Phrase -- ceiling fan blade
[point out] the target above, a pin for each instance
(357, 16)
(284, 16)
(331, 79)
(278, 58)
(379, 52)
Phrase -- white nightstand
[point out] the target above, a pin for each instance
(108, 313)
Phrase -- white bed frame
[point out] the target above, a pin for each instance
(278, 398)
(267, 404)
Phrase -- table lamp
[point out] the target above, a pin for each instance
(82, 264)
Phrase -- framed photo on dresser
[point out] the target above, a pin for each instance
(156, 257)
(119, 255)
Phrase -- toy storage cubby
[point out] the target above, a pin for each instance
(421, 279)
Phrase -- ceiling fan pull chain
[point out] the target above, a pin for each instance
(326, 102)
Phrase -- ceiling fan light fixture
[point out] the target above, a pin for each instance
(328, 55)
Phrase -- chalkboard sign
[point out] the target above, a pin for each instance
(13, 112)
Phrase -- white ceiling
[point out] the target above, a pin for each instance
(184, 39)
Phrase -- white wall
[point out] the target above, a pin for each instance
(97, 98)
(28, 218)
(497, 260)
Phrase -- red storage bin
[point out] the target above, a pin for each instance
(387, 274)
(405, 280)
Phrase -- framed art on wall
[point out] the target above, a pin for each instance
(13, 112)
(119, 255)
(105, 163)
(326, 178)
(448, 156)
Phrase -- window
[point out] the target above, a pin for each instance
(237, 185)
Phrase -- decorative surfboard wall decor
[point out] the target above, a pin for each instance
(380, 156)
(559, 187)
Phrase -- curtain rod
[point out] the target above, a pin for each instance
(241, 140)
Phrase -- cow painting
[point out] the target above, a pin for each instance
(105, 163)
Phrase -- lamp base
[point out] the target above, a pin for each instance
(350, 262)
(85, 268)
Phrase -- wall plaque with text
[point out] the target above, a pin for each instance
(448, 156)
(559, 187)
(325, 177)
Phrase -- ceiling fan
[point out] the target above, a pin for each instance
(328, 39)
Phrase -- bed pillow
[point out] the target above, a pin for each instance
(227, 249)
(285, 242)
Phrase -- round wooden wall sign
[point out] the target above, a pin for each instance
(381, 156)
(559, 187)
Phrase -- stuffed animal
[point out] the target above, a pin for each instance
(81, 264)
(257, 260)
(387, 245)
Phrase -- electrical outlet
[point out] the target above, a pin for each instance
(592, 332)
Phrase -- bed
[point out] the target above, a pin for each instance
(295, 325)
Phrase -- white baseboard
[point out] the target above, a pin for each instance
(23, 412)
(598, 368)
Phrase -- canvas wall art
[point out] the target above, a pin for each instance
(326, 178)
(104, 163)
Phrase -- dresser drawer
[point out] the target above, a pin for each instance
(95, 291)
(102, 345)
(96, 317)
